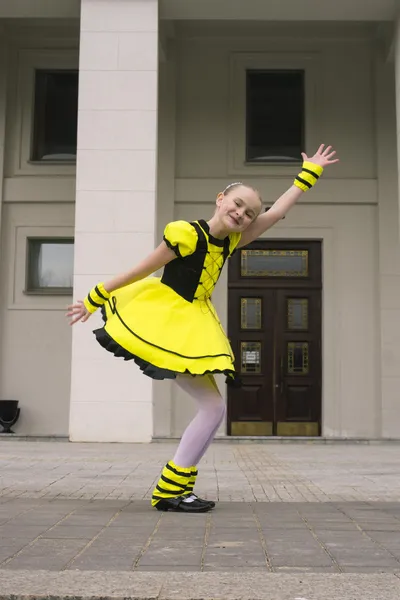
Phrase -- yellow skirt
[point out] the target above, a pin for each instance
(163, 333)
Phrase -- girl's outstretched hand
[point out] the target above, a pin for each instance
(323, 156)
(77, 312)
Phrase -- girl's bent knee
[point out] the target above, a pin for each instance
(218, 412)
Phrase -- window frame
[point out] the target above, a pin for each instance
(45, 291)
(17, 299)
(287, 72)
(28, 61)
(38, 116)
(240, 63)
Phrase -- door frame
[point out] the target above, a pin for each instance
(310, 283)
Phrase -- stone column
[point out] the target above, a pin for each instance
(3, 102)
(388, 136)
(3, 116)
(111, 400)
(396, 46)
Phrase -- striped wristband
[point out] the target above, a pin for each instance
(96, 298)
(308, 176)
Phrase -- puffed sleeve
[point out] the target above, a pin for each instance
(181, 237)
(234, 239)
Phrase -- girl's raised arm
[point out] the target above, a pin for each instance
(312, 169)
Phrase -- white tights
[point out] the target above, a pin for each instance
(201, 431)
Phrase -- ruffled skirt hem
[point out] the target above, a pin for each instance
(109, 344)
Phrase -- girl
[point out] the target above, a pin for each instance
(169, 326)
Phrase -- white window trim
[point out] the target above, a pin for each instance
(46, 290)
(239, 64)
(28, 62)
(18, 299)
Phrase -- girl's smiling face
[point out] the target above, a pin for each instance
(237, 207)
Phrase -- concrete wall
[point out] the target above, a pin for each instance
(35, 340)
(211, 102)
(354, 208)
(342, 210)
(35, 366)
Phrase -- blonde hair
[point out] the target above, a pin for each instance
(235, 184)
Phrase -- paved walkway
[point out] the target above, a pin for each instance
(112, 535)
(228, 473)
(304, 521)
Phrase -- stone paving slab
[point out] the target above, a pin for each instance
(229, 472)
(42, 585)
(260, 537)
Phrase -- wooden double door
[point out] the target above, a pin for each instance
(274, 325)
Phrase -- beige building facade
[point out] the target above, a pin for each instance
(161, 130)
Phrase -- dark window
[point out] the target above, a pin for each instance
(50, 265)
(55, 116)
(274, 116)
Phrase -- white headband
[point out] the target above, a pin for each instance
(231, 185)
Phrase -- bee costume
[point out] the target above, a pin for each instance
(168, 325)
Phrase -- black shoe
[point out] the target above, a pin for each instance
(210, 502)
(178, 505)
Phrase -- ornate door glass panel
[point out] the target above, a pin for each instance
(298, 354)
(250, 353)
(297, 313)
(250, 313)
(274, 263)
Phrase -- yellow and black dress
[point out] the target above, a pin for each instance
(169, 325)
